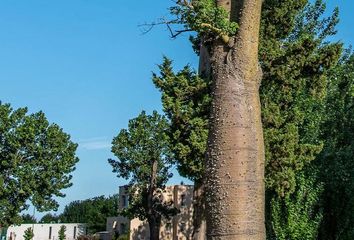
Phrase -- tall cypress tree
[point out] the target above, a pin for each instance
(186, 101)
(296, 59)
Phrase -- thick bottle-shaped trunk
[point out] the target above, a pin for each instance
(235, 158)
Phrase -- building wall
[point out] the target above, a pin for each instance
(46, 231)
(176, 228)
(117, 224)
(183, 222)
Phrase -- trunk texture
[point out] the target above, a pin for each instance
(154, 227)
(154, 218)
(199, 221)
(235, 157)
(204, 62)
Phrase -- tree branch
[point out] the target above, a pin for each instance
(216, 30)
(147, 27)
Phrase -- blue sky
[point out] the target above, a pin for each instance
(86, 64)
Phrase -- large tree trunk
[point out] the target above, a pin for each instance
(235, 157)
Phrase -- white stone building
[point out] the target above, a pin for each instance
(177, 228)
(44, 231)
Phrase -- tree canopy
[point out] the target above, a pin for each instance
(28, 218)
(50, 218)
(36, 159)
(93, 212)
(296, 60)
(186, 103)
(336, 162)
(143, 158)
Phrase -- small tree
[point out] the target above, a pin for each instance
(61, 233)
(28, 234)
(142, 152)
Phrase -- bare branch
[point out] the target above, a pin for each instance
(147, 27)
(178, 32)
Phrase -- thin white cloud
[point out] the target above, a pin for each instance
(96, 143)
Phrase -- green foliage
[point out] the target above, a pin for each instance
(138, 148)
(296, 60)
(50, 218)
(28, 218)
(36, 159)
(28, 234)
(186, 101)
(123, 237)
(205, 18)
(337, 160)
(293, 91)
(93, 212)
(297, 216)
(61, 233)
(311, 22)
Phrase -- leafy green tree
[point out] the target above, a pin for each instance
(50, 218)
(337, 159)
(295, 59)
(61, 233)
(186, 103)
(296, 62)
(93, 212)
(142, 152)
(28, 218)
(36, 161)
(28, 234)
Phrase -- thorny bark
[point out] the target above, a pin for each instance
(235, 156)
